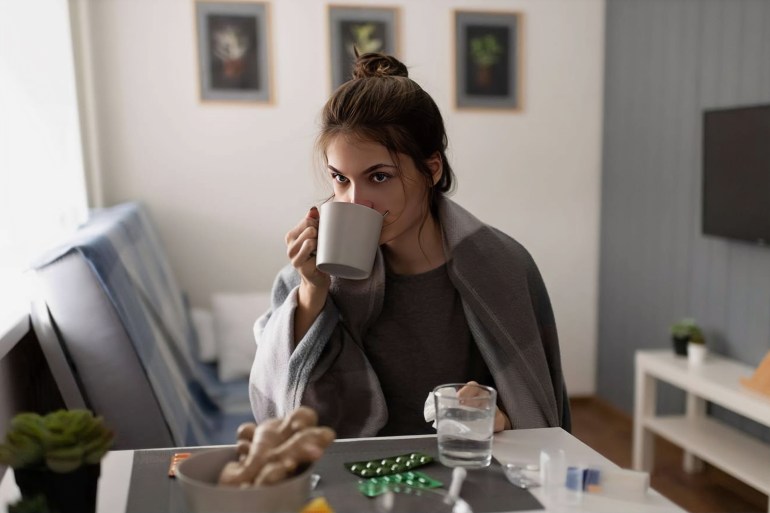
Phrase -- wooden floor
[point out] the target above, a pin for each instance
(608, 431)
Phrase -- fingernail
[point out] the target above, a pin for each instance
(313, 213)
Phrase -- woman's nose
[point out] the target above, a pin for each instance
(356, 196)
(364, 202)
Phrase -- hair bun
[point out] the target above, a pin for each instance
(378, 65)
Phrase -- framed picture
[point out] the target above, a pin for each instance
(234, 51)
(488, 60)
(369, 29)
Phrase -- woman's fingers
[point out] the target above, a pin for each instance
(311, 219)
(301, 245)
(501, 420)
(304, 254)
(467, 394)
(310, 233)
(468, 391)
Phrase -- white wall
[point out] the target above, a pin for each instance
(224, 183)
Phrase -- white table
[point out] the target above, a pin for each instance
(525, 445)
(716, 380)
(520, 446)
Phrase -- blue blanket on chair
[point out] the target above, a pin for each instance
(125, 254)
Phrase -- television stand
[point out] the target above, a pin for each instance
(703, 438)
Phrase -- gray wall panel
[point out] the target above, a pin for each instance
(666, 61)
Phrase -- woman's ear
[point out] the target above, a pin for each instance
(436, 167)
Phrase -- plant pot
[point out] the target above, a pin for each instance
(680, 345)
(72, 492)
(696, 354)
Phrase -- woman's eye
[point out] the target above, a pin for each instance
(380, 177)
(339, 178)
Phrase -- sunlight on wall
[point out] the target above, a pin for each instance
(42, 188)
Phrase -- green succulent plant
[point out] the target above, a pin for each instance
(61, 441)
(683, 328)
(688, 329)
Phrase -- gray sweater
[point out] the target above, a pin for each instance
(506, 305)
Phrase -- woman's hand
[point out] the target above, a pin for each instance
(501, 419)
(301, 244)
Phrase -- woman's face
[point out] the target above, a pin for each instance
(365, 173)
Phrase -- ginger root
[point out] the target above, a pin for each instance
(273, 450)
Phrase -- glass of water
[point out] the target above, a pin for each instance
(465, 418)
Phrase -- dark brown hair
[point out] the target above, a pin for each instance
(382, 104)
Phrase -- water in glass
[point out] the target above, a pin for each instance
(465, 437)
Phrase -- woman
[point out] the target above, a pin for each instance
(450, 299)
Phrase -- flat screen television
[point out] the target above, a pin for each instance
(736, 173)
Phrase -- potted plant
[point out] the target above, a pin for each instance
(58, 456)
(680, 335)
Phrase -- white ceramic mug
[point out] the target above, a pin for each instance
(348, 237)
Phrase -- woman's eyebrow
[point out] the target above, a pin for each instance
(366, 171)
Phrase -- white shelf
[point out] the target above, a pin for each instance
(740, 455)
(717, 380)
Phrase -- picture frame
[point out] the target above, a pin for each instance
(488, 54)
(234, 54)
(368, 28)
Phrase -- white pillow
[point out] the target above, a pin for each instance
(234, 316)
(203, 322)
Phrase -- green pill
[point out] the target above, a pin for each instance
(377, 485)
(387, 465)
